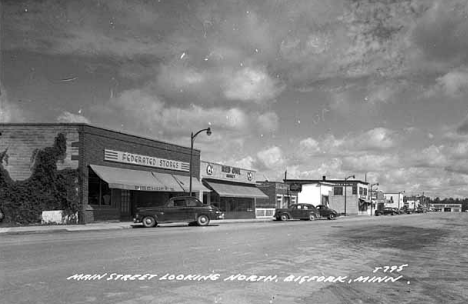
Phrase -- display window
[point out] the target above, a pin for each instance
(99, 193)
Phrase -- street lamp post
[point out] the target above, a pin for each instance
(192, 139)
(372, 185)
(345, 192)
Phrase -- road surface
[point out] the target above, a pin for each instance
(419, 258)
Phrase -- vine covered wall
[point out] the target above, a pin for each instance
(47, 188)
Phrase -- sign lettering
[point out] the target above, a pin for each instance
(144, 160)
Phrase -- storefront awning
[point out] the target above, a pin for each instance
(229, 190)
(184, 182)
(168, 180)
(127, 179)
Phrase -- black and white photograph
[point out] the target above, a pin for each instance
(233, 151)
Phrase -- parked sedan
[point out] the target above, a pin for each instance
(297, 212)
(386, 211)
(327, 212)
(178, 209)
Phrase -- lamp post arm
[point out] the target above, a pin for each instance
(193, 136)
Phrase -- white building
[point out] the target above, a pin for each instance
(394, 199)
(446, 207)
(345, 196)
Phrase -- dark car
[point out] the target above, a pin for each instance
(421, 209)
(386, 211)
(178, 209)
(297, 212)
(327, 212)
(406, 210)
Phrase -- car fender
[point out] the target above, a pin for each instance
(197, 214)
(285, 212)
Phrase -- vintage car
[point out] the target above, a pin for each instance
(327, 212)
(297, 212)
(386, 211)
(305, 212)
(178, 209)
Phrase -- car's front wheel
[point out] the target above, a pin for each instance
(284, 217)
(331, 216)
(203, 220)
(149, 221)
(311, 217)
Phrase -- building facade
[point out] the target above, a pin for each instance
(345, 196)
(394, 199)
(233, 189)
(279, 196)
(115, 172)
(445, 207)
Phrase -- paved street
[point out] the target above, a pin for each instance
(340, 261)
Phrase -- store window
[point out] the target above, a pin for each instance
(293, 200)
(279, 201)
(338, 190)
(361, 191)
(236, 204)
(99, 192)
(354, 189)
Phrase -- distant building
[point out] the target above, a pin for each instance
(446, 207)
(412, 202)
(394, 199)
(345, 196)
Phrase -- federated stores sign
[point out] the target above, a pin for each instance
(144, 160)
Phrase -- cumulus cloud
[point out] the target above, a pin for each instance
(454, 83)
(271, 158)
(250, 84)
(370, 162)
(430, 157)
(268, 122)
(310, 144)
(68, 117)
(377, 138)
(149, 112)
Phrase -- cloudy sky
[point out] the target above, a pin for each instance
(376, 89)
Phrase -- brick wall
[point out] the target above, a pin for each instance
(21, 140)
(337, 202)
(269, 190)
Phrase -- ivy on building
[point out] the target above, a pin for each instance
(46, 189)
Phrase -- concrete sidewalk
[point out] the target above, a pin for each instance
(100, 226)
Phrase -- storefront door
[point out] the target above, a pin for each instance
(125, 205)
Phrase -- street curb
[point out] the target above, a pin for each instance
(9, 232)
(85, 228)
(75, 229)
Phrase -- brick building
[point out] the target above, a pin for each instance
(116, 172)
(279, 196)
(233, 189)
